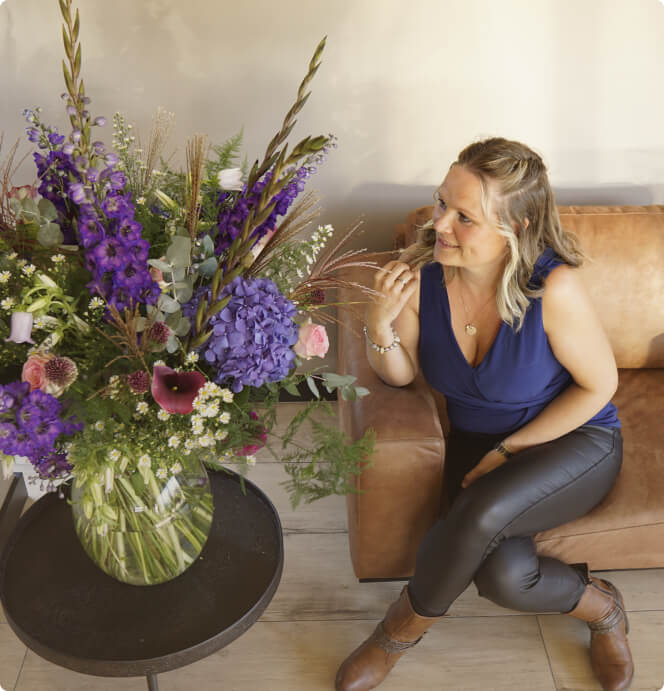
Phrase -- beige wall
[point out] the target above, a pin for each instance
(404, 85)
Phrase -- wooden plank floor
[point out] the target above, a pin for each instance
(320, 613)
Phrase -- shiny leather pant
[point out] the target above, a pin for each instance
(487, 535)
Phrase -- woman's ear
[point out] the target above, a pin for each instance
(526, 223)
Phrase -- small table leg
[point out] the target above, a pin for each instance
(153, 685)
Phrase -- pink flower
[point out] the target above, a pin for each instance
(250, 449)
(175, 391)
(34, 370)
(21, 327)
(312, 341)
(61, 373)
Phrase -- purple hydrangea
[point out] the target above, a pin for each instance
(30, 426)
(253, 336)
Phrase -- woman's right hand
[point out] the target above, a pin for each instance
(396, 283)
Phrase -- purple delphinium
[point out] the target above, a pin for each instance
(230, 219)
(88, 194)
(253, 336)
(30, 425)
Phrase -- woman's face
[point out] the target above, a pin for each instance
(464, 237)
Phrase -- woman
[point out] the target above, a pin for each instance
(489, 304)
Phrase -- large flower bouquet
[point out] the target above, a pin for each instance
(150, 315)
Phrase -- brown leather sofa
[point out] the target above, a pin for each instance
(401, 491)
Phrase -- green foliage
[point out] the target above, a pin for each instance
(328, 467)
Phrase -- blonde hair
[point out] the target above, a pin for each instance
(523, 198)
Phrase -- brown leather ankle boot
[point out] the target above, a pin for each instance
(602, 607)
(369, 664)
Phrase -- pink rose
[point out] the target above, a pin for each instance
(312, 341)
(34, 372)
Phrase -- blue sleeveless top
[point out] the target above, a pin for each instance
(518, 376)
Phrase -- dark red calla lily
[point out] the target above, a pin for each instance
(175, 391)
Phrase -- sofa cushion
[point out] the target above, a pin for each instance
(626, 530)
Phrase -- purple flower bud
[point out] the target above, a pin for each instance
(93, 174)
(68, 149)
(85, 113)
(85, 100)
(76, 192)
(99, 147)
(111, 159)
(76, 136)
(33, 134)
(99, 121)
(21, 328)
(64, 95)
(71, 110)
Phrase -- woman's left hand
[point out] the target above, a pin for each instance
(489, 461)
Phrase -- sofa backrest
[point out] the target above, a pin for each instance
(624, 275)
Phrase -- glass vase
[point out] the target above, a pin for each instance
(141, 529)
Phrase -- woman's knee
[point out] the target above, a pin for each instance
(508, 572)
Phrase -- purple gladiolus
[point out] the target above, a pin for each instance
(77, 192)
(21, 327)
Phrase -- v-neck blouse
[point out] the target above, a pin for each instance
(516, 379)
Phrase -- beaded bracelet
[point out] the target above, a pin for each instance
(501, 448)
(383, 349)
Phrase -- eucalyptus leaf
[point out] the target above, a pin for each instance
(208, 267)
(173, 344)
(292, 390)
(50, 235)
(179, 274)
(140, 323)
(312, 386)
(29, 209)
(183, 328)
(178, 253)
(159, 264)
(173, 319)
(334, 381)
(184, 294)
(181, 231)
(207, 245)
(47, 209)
(167, 304)
(15, 206)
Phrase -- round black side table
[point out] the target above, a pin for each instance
(68, 611)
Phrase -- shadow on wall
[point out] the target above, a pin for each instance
(382, 206)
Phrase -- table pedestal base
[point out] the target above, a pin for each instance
(153, 685)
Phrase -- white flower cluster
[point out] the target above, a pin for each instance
(318, 240)
(5, 276)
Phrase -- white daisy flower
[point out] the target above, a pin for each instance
(198, 403)
(21, 263)
(99, 425)
(206, 440)
(198, 429)
(29, 269)
(161, 473)
(251, 460)
(58, 258)
(95, 302)
(145, 462)
(176, 468)
(7, 304)
(174, 441)
(142, 407)
(163, 415)
(5, 276)
(196, 419)
(221, 434)
(190, 444)
(12, 256)
(225, 418)
(227, 395)
(192, 358)
(114, 455)
(39, 323)
(159, 363)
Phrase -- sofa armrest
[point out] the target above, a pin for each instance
(401, 490)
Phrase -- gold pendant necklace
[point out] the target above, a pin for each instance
(470, 328)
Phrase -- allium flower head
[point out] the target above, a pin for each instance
(61, 372)
(159, 333)
(139, 381)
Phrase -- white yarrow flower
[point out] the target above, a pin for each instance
(251, 460)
